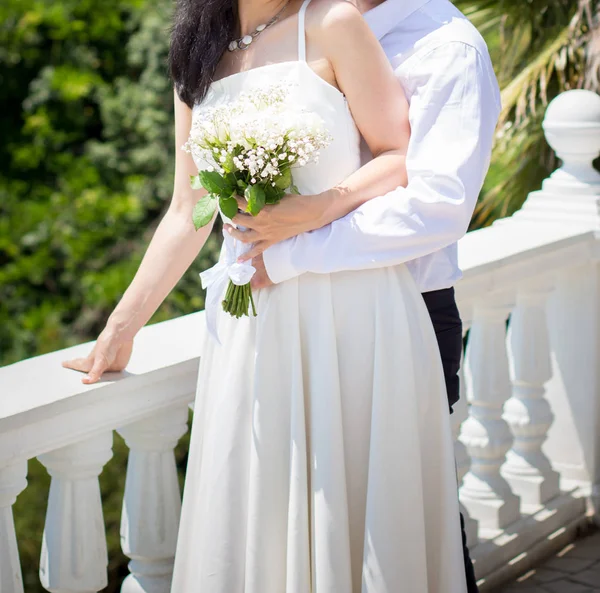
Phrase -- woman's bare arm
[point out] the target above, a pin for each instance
(376, 100)
(171, 251)
(173, 247)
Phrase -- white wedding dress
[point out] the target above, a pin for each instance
(321, 457)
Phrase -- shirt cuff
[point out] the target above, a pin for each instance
(278, 261)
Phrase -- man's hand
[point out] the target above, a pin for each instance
(261, 278)
(275, 223)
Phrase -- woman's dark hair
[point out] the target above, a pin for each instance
(202, 30)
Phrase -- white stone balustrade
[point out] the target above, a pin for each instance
(526, 479)
(571, 198)
(527, 469)
(74, 557)
(486, 435)
(13, 480)
(53, 416)
(463, 461)
(152, 502)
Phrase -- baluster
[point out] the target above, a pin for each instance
(485, 493)
(463, 462)
(152, 502)
(13, 480)
(74, 557)
(527, 469)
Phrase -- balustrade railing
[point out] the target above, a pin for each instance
(527, 428)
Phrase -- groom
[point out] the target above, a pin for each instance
(444, 67)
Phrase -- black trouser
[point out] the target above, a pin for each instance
(445, 317)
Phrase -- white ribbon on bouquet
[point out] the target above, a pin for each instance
(216, 279)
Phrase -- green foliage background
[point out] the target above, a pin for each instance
(86, 165)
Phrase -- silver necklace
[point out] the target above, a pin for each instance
(245, 41)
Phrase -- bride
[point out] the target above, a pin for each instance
(321, 458)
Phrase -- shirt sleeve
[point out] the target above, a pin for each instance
(454, 108)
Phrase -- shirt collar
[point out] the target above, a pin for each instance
(383, 18)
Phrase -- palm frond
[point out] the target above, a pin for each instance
(531, 83)
(591, 15)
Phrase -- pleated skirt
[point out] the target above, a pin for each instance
(321, 456)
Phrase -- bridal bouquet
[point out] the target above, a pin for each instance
(250, 147)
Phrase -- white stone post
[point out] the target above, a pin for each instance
(13, 480)
(74, 557)
(571, 194)
(463, 461)
(571, 198)
(527, 469)
(486, 435)
(152, 503)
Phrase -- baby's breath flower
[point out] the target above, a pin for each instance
(254, 134)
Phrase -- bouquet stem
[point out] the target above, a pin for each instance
(238, 299)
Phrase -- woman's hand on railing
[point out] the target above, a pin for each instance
(110, 353)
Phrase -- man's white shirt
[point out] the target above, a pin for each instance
(445, 69)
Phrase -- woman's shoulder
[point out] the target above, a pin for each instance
(328, 20)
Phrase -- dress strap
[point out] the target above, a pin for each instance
(302, 32)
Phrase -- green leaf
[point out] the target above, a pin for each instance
(214, 183)
(256, 198)
(195, 182)
(285, 180)
(294, 189)
(229, 206)
(204, 211)
(231, 181)
(273, 194)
